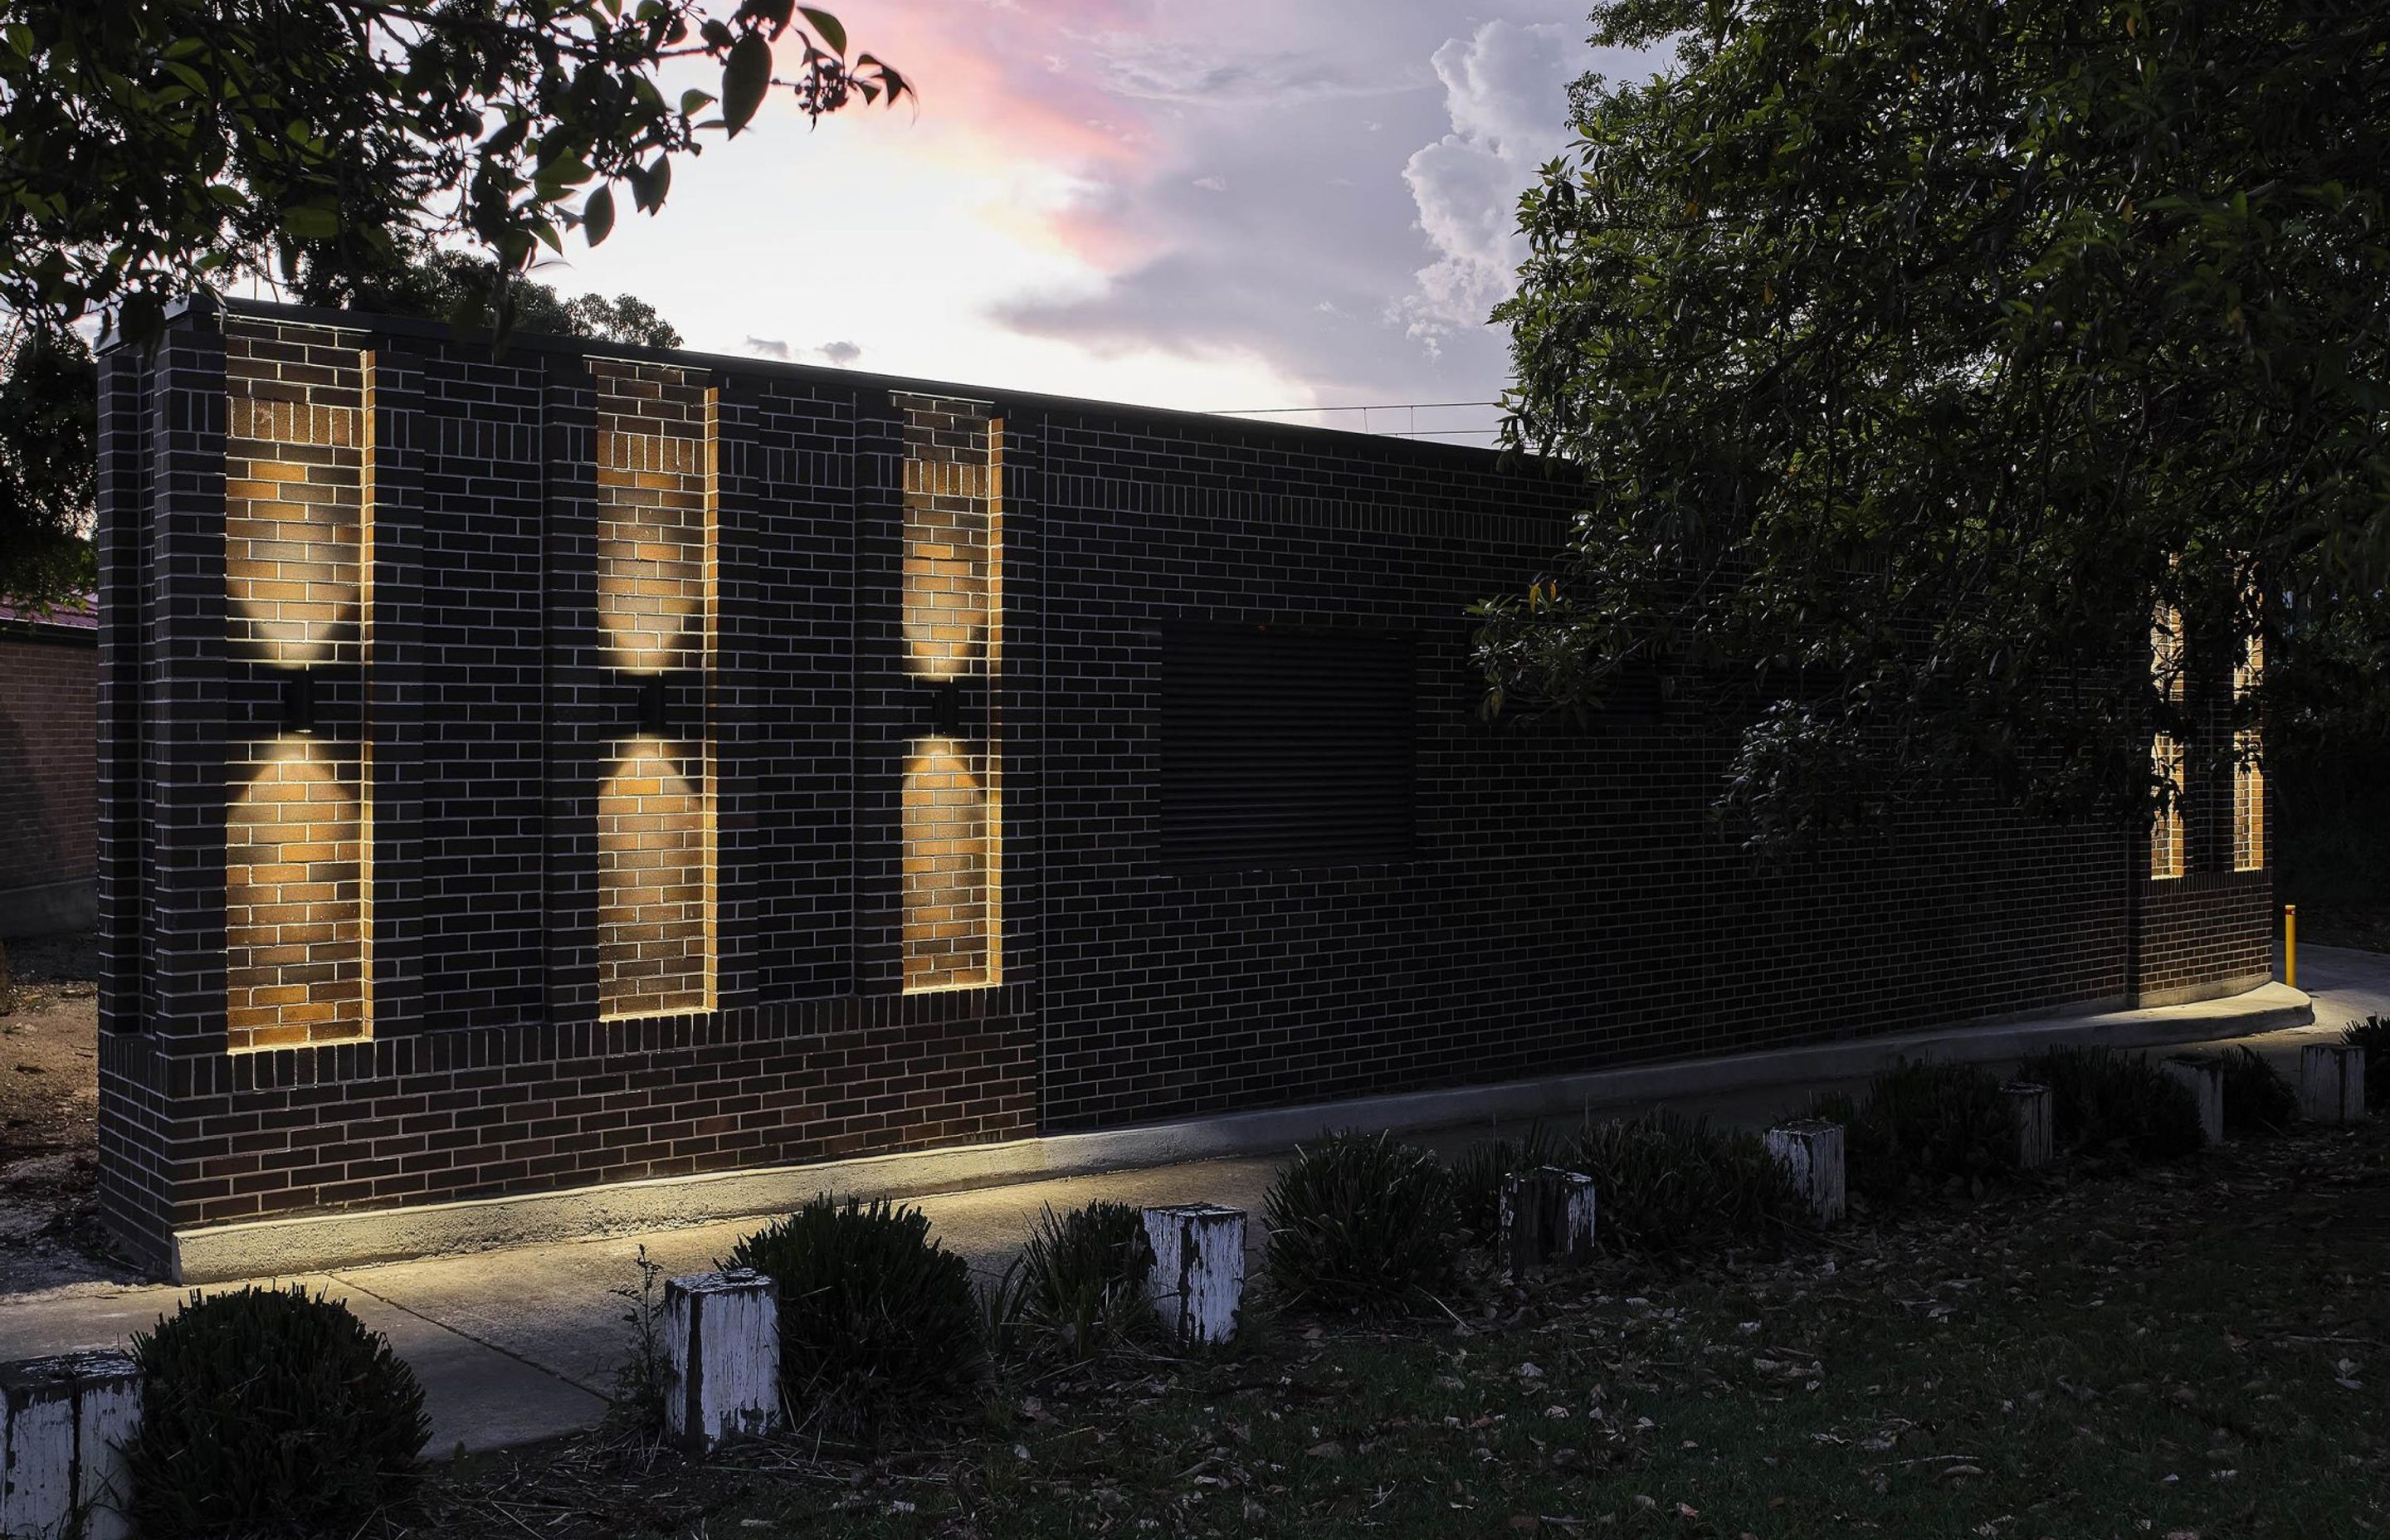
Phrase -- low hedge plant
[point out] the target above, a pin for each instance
(1079, 1287)
(2372, 1035)
(270, 1411)
(1924, 1128)
(1480, 1171)
(2257, 1097)
(2109, 1103)
(879, 1325)
(1666, 1184)
(1358, 1222)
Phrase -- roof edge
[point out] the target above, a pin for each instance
(544, 344)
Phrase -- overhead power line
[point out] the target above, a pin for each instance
(1365, 406)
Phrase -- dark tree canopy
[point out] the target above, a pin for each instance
(1915, 356)
(49, 459)
(457, 286)
(152, 147)
(149, 148)
(49, 387)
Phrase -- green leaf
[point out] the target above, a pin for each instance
(833, 34)
(310, 222)
(745, 77)
(693, 102)
(598, 215)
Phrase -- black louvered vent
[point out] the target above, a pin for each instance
(1286, 748)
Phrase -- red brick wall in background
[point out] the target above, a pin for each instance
(48, 758)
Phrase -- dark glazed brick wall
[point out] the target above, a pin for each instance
(1569, 908)
(1567, 904)
(2206, 934)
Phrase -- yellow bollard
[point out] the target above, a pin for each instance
(2291, 945)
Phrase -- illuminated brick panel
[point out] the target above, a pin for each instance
(2248, 771)
(655, 602)
(952, 609)
(297, 856)
(2168, 839)
(2169, 853)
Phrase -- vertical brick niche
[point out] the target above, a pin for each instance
(953, 624)
(656, 607)
(2170, 839)
(2248, 770)
(297, 548)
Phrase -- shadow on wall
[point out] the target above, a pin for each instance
(2333, 851)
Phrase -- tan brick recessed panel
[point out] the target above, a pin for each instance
(952, 612)
(654, 909)
(297, 538)
(655, 558)
(295, 866)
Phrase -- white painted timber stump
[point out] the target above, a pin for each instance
(61, 1471)
(1812, 1150)
(723, 1338)
(2204, 1074)
(1198, 1282)
(2037, 1131)
(1547, 1219)
(2331, 1082)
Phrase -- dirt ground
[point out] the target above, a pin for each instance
(49, 1115)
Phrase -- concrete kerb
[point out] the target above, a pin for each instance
(313, 1242)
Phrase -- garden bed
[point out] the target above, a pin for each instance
(2186, 1350)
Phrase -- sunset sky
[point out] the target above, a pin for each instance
(1232, 205)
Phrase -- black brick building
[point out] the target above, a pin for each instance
(583, 764)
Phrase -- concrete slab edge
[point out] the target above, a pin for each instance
(313, 1242)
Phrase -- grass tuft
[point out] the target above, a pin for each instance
(1924, 1128)
(1666, 1184)
(1359, 1222)
(2116, 1104)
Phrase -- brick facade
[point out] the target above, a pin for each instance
(49, 769)
(890, 876)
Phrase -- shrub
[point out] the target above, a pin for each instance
(1081, 1288)
(878, 1321)
(1359, 1221)
(2257, 1097)
(1480, 1169)
(2106, 1101)
(1663, 1184)
(2372, 1035)
(1922, 1127)
(270, 1411)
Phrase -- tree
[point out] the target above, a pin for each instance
(1918, 358)
(49, 458)
(150, 146)
(49, 386)
(457, 286)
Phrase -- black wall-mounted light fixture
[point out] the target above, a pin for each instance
(946, 708)
(955, 707)
(653, 706)
(299, 701)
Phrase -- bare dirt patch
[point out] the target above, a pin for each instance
(49, 1120)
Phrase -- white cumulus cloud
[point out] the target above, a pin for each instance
(1504, 90)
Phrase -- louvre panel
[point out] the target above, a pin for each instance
(1286, 748)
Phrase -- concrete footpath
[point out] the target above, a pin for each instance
(522, 1343)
